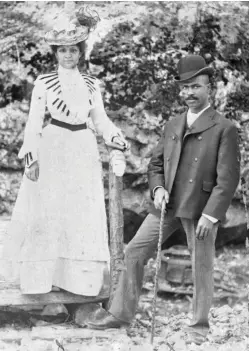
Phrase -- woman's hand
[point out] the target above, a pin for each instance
(32, 172)
(120, 140)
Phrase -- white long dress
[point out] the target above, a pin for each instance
(58, 231)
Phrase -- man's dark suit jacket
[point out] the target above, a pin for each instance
(199, 168)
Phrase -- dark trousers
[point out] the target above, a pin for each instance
(141, 248)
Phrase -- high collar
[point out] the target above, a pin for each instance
(64, 72)
(189, 113)
(72, 89)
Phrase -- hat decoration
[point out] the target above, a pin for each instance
(192, 66)
(70, 27)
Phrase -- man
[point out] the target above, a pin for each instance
(195, 169)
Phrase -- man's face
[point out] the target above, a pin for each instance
(195, 93)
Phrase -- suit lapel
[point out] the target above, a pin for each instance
(205, 121)
(178, 125)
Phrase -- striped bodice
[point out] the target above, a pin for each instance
(56, 104)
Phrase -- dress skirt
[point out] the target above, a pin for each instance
(58, 231)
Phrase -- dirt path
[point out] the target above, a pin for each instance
(229, 329)
(228, 321)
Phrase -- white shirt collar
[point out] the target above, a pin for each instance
(192, 117)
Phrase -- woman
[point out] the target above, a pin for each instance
(58, 232)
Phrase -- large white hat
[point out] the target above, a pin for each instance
(70, 27)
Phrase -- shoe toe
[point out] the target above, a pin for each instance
(105, 323)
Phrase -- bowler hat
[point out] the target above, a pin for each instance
(192, 66)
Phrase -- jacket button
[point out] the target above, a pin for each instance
(168, 159)
(173, 137)
(190, 180)
(196, 159)
(199, 137)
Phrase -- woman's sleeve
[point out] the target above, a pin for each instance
(103, 125)
(33, 129)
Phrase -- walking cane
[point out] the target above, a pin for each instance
(158, 263)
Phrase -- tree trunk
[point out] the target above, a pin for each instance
(116, 229)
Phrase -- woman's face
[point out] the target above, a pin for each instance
(68, 56)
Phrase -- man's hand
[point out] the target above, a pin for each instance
(32, 172)
(160, 195)
(204, 228)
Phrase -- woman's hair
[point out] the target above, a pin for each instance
(81, 46)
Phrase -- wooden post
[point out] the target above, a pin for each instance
(116, 229)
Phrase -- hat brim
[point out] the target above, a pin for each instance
(189, 75)
(65, 39)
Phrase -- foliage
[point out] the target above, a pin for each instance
(137, 60)
(138, 63)
(135, 53)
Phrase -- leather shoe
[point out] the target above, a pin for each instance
(107, 323)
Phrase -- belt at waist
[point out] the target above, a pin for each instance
(72, 127)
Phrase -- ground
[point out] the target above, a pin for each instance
(228, 319)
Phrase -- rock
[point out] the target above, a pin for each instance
(235, 346)
(143, 347)
(175, 337)
(158, 340)
(94, 347)
(8, 318)
(54, 310)
(38, 323)
(5, 346)
(210, 348)
(121, 346)
(39, 345)
(163, 320)
(180, 345)
(221, 311)
(164, 348)
(25, 344)
(233, 230)
(84, 312)
(10, 180)
(12, 121)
